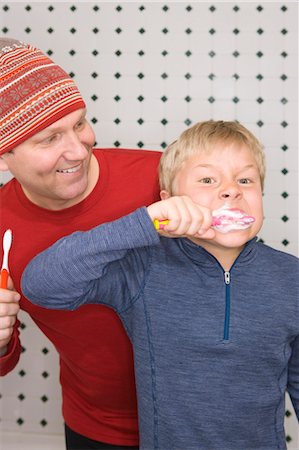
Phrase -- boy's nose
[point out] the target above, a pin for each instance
(232, 191)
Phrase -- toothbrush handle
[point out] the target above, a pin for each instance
(4, 278)
(159, 224)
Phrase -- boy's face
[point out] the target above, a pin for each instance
(53, 166)
(226, 175)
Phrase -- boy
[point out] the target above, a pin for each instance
(214, 332)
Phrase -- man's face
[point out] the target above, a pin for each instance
(227, 175)
(53, 166)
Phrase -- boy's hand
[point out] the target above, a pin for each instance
(186, 218)
(9, 308)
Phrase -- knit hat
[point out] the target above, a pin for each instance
(34, 93)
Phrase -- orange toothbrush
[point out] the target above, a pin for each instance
(7, 238)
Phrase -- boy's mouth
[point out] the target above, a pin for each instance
(230, 219)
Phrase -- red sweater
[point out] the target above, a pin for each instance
(96, 361)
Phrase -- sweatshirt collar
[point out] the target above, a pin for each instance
(201, 256)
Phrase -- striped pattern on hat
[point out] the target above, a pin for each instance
(34, 93)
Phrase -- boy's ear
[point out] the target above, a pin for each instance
(164, 194)
(3, 165)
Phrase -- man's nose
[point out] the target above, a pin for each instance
(74, 148)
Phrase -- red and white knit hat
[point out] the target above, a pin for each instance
(34, 93)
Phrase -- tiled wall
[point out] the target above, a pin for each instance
(147, 71)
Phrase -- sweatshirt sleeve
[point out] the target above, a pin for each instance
(106, 265)
(293, 383)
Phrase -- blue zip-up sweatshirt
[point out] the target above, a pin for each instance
(214, 352)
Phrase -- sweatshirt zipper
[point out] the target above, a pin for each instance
(227, 306)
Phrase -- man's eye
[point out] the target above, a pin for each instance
(206, 180)
(50, 140)
(81, 124)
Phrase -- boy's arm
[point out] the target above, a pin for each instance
(75, 269)
(293, 379)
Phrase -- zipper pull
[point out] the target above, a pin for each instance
(227, 277)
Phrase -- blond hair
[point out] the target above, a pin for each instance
(202, 137)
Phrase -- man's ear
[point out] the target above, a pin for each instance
(164, 194)
(3, 164)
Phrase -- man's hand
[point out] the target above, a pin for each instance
(9, 308)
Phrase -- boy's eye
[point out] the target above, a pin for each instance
(206, 180)
(244, 181)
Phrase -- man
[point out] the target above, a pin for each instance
(60, 185)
